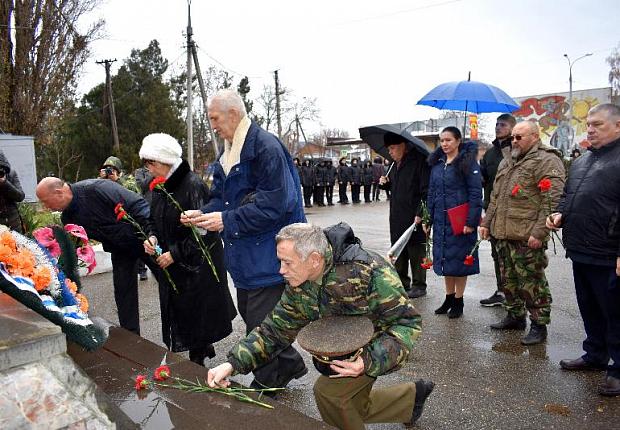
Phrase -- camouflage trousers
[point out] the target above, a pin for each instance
(523, 280)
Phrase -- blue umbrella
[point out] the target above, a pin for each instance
(469, 96)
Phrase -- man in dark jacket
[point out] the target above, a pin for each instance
(408, 183)
(377, 172)
(344, 177)
(320, 181)
(91, 204)
(589, 213)
(10, 194)
(255, 192)
(356, 180)
(307, 182)
(488, 167)
(331, 181)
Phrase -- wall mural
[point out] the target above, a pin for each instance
(551, 112)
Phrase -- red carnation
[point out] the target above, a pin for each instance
(427, 263)
(469, 260)
(120, 215)
(544, 185)
(141, 382)
(516, 190)
(118, 207)
(162, 373)
(155, 182)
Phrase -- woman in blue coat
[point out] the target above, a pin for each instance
(455, 180)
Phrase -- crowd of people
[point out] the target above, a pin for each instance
(320, 176)
(288, 273)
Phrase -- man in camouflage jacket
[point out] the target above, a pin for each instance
(328, 273)
(528, 184)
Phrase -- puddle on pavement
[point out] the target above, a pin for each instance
(149, 410)
(553, 353)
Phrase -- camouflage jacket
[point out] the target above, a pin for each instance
(129, 182)
(369, 288)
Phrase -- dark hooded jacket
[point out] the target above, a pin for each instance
(320, 174)
(452, 185)
(10, 194)
(367, 177)
(331, 173)
(344, 171)
(201, 312)
(307, 174)
(377, 169)
(356, 172)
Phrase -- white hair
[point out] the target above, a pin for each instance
(229, 99)
(307, 238)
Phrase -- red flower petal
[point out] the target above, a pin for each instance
(544, 185)
(469, 260)
(121, 215)
(141, 382)
(157, 181)
(118, 207)
(161, 373)
(516, 190)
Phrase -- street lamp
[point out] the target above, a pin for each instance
(570, 86)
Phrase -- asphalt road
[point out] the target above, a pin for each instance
(484, 379)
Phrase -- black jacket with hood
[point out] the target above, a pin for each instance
(10, 194)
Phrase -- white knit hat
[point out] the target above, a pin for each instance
(161, 147)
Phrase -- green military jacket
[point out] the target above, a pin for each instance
(352, 288)
(129, 182)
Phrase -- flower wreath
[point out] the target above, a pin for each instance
(32, 276)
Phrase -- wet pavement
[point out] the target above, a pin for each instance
(484, 379)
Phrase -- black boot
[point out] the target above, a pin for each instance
(457, 308)
(198, 355)
(446, 305)
(537, 334)
(510, 323)
(422, 390)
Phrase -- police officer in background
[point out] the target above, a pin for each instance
(10, 194)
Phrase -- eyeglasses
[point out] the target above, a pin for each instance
(517, 136)
(147, 162)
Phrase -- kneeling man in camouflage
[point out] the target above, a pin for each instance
(329, 274)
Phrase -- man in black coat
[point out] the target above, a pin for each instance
(91, 204)
(11, 193)
(408, 184)
(488, 167)
(331, 181)
(356, 180)
(307, 182)
(344, 177)
(589, 214)
(320, 182)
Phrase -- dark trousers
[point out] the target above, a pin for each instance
(254, 306)
(318, 195)
(498, 272)
(367, 193)
(375, 191)
(355, 193)
(342, 192)
(329, 194)
(125, 280)
(598, 297)
(307, 196)
(412, 257)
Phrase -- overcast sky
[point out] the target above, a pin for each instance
(367, 61)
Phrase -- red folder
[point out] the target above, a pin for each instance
(458, 217)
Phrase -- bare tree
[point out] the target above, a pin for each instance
(614, 73)
(41, 54)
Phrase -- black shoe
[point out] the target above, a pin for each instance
(537, 334)
(497, 299)
(610, 388)
(330, 204)
(198, 355)
(422, 390)
(457, 308)
(580, 364)
(416, 292)
(446, 305)
(510, 323)
(284, 380)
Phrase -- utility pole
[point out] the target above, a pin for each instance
(570, 89)
(190, 116)
(278, 118)
(110, 101)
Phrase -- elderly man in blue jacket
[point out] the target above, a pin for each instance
(255, 192)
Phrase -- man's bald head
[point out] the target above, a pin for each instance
(524, 136)
(54, 193)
